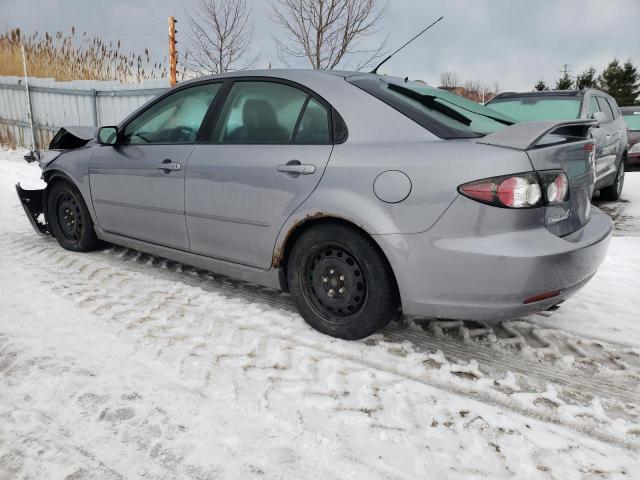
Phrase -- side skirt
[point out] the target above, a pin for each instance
(267, 278)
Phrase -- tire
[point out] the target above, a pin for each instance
(69, 219)
(341, 283)
(613, 192)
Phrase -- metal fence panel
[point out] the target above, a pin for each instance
(56, 104)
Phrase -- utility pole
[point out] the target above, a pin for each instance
(30, 156)
(173, 56)
(565, 70)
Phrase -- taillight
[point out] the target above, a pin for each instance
(555, 186)
(558, 189)
(519, 192)
(523, 190)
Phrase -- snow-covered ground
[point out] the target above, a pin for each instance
(119, 365)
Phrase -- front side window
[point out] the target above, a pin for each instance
(271, 113)
(632, 119)
(614, 108)
(605, 108)
(538, 108)
(175, 119)
(593, 106)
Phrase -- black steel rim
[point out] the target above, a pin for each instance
(69, 216)
(334, 282)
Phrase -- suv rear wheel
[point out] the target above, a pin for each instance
(613, 192)
(341, 283)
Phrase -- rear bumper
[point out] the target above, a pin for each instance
(480, 276)
(32, 203)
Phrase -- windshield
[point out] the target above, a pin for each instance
(632, 120)
(443, 113)
(534, 108)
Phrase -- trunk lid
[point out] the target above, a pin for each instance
(557, 146)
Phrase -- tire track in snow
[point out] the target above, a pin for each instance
(104, 271)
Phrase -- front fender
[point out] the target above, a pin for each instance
(73, 166)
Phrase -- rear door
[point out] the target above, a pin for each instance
(137, 185)
(264, 156)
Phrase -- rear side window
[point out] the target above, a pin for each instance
(271, 113)
(605, 108)
(538, 108)
(314, 124)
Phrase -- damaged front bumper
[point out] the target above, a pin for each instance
(33, 203)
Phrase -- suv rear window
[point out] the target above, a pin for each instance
(632, 119)
(442, 113)
(538, 108)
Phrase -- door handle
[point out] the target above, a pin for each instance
(295, 168)
(168, 166)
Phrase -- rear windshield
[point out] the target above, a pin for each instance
(532, 109)
(632, 120)
(442, 113)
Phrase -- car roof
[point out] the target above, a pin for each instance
(284, 73)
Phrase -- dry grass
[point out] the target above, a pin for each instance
(67, 57)
(7, 138)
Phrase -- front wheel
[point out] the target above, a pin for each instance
(613, 192)
(69, 219)
(341, 282)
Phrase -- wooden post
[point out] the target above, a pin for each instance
(173, 56)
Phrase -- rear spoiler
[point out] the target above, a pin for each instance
(525, 136)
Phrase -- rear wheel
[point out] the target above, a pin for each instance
(341, 282)
(69, 218)
(614, 192)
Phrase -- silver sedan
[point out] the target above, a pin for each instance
(364, 196)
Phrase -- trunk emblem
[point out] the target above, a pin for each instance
(558, 218)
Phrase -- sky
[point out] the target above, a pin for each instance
(511, 42)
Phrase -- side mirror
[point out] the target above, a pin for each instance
(107, 135)
(599, 117)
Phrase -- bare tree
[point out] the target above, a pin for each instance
(328, 33)
(221, 36)
(449, 80)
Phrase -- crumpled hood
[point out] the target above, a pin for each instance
(73, 137)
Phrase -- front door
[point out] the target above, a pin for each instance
(265, 156)
(606, 144)
(137, 185)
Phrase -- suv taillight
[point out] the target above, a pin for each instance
(523, 190)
